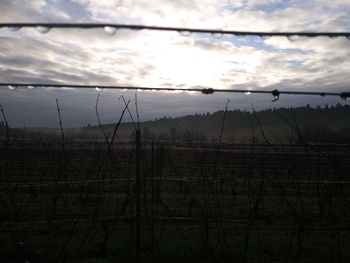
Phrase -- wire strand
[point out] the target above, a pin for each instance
(275, 93)
(177, 29)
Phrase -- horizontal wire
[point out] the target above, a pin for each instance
(177, 29)
(114, 219)
(276, 93)
(161, 179)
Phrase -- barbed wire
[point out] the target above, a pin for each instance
(207, 91)
(111, 28)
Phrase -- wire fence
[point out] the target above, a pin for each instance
(196, 201)
(275, 93)
(112, 28)
(73, 201)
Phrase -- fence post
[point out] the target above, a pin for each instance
(152, 199)
(138, 200)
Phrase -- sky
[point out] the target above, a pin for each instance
(168, 59)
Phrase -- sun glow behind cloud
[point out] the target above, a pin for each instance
(163, 58)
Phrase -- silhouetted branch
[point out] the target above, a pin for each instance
(60, 120)
(127, 107)
(99, 120)
(117, 126)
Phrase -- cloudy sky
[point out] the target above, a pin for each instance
(168, 59)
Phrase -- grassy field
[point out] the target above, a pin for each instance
(198, 202)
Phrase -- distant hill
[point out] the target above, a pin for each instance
(331, 124)
(12, 132)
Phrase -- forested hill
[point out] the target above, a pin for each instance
(325, 122)
(336, 116)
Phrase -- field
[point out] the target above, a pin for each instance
(85, 201)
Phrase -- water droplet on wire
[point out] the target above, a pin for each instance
(12, 87)
(276, 95)
(292, 38)
(14, 28)
(98, 89)
(43, 29)
(217, 35)
(264, 37)
(185, 33)
(30, 87)
(247, 93)
(110, 30)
